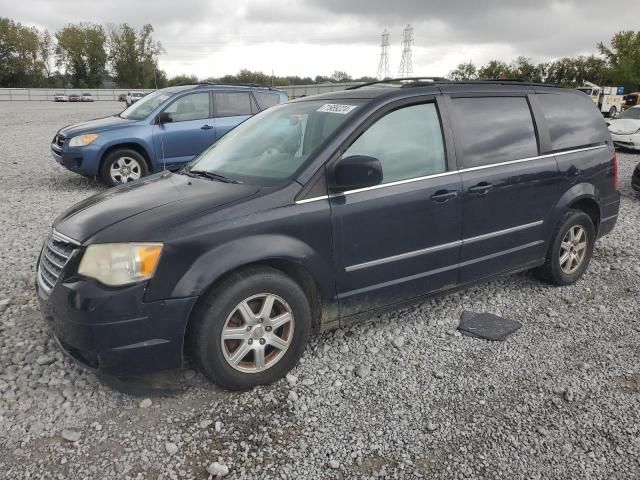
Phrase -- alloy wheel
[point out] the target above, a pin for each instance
(257, 333)
(125, 169)
(573, 249)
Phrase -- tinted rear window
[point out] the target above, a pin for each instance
(573, 121)
(267, 100)
(232, 104)
(494, 129)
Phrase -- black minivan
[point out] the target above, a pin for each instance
(316, 213)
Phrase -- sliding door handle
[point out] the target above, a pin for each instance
(481, 189)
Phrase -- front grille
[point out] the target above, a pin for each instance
(59, 140)
(55, 255)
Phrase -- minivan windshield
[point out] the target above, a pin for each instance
(143, 107)
(631, 114)
(271, 146)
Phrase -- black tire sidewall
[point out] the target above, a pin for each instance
(571, 219)
(105, 176)
(214, 312)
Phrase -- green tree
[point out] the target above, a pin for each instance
(464, 71)
(623, 58)
(20, 61)
(340, 77)
(182, 80)
(523, 68)
(495, 69)
(80, 50)
(133, 56)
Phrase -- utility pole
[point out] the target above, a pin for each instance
(406, 65)
(383, 66)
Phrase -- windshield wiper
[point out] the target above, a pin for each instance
(211, 175)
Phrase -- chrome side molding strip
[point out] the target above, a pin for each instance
(443, 246)
(436, 175)
(404, 256)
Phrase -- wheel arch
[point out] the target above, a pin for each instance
(290, 256)
(584, 197)
(137, 147)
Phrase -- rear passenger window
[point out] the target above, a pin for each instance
(408, 142)
(494, 129)
(266, 100)
(573, 120)
(232, 104)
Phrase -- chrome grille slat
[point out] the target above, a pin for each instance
(55, 255)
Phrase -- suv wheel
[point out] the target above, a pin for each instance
(571, 249)
(123, 166)
(251, 329)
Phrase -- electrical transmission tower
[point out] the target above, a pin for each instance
(406, 65)
(383, 66)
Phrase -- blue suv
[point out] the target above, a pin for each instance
(163, 129)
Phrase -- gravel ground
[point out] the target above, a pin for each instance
(401, 397)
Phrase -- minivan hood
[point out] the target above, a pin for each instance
(624, 126)
(184, 194)
(95, 126)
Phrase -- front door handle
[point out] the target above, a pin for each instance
(206, 127)
(481, 189)
(442, 196)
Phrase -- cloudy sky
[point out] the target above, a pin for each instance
(311, 37)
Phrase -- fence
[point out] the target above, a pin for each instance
(111, 95)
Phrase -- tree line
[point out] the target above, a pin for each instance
(617, 64)
(82, 55)
(86, 55)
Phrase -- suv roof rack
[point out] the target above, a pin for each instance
(251, 85)
(423, 81)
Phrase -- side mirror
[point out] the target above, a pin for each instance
(164, 117)
(357, 171)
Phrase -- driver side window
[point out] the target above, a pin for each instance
(189, 107)
(408, 142)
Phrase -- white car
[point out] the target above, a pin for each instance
(133, 97)
(60, 97)
(625, 130)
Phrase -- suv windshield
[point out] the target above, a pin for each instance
(632, 113)
(146, 105)
(274, 144)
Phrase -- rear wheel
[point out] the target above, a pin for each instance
(123, 166)
(251, 329)
(613, 111)
(571, 249)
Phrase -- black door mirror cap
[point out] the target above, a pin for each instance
(356, 171)
(164, 117)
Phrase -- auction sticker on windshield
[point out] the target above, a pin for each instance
(336, 108)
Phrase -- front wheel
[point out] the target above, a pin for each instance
(613, 112)
(123, 166)
(571, 249)
(251, 329)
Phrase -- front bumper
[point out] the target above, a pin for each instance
(113, 330)
(85, 160)
(632, 142)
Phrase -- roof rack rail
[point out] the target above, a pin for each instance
(253, 85)
(420, 80)
(424, 81)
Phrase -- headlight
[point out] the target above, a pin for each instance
(117, 264)
(82, 140)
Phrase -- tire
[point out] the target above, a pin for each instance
(219, 311)
(569, 270)
(613, 111)
(132, 165)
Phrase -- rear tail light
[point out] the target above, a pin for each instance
(615, 170)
